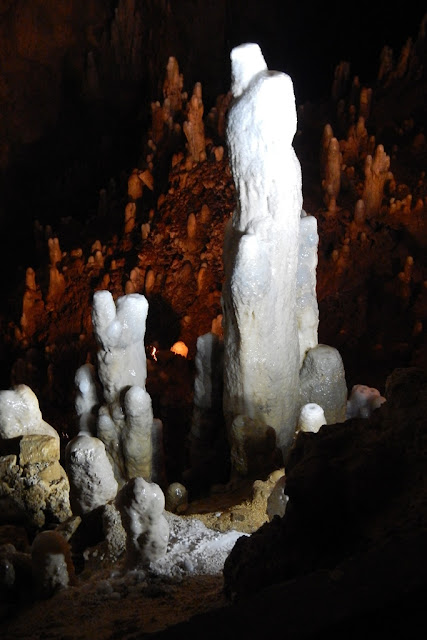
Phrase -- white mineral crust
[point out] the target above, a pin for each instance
(261, 346)
(20, 414)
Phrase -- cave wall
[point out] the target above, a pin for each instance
(85, 67)
(77, 79)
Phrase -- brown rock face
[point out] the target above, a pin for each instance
(34, 488)
(353, 489)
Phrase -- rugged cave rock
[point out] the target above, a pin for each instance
(113, 201)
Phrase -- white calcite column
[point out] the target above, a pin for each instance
(261, 345)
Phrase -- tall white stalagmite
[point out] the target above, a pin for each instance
(261, 345)
(125, 422)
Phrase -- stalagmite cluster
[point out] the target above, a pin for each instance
(204, 307)
(121, 414)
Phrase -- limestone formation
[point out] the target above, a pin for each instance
(327, 136)
(277, 500)
(365, 103)
(311, 418)
(322, 380)
(261, 349)
(55, 253)
(130, 213)
(376, 175)
(56, 287)
(357, 144)
(176, 498)
(135, 186)
(52, 566)
(20, 414)
(32, 305)
(173, 84)
(141, 505)
(34, 487)
(137, 433)
(87, 398)
(307, 310)
(125, 422)
(91, 477)
(332, 182)
(363, 401)
(194, 128)
(119, 328)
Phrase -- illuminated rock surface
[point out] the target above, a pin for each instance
(372, 301)
(141, 505)
(261, 347)
(92, 481)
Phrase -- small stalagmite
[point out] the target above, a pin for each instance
(194, 128)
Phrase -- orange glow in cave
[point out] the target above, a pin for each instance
(180, 349)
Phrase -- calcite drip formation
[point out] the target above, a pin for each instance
(260, 366)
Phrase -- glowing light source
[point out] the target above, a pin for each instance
(180, 349)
